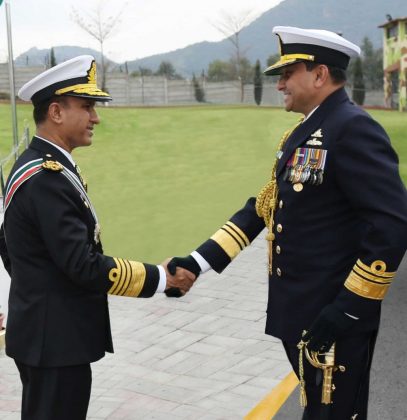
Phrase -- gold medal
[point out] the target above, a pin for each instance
(298, 187)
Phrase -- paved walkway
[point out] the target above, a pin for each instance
(201, 357)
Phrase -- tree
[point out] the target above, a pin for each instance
(198, 90)
(358, 91)
(219, 71)
(52, 60)
(167, 70)
(231, 26)
(99, 28)
(243, 71)
(272, 59)
(142, 71)
(258, 83)
(372, 64)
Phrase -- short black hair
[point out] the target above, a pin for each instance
(338, 75)
(41, 109)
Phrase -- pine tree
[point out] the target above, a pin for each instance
(258, 83)
(52, 60)
(198, 91)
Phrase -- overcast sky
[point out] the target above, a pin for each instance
(146, 26)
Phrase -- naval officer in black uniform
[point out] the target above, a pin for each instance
(58, 320)
(336, 213)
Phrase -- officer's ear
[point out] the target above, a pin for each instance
(321, 73)
(55, 111)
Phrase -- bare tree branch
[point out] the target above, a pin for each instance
(231, 26)
(99, 28)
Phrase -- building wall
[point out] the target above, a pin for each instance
(395, 60)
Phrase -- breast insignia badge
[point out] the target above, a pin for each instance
(314, 142)
(314, 138)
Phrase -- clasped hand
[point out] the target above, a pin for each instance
(181, 275)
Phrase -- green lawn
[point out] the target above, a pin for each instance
(163, 179)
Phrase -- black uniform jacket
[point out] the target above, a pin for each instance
(340, 230)
(58, 310)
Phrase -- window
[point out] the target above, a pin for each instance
(392, 31)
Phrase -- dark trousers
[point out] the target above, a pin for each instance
(351, 394)
(60, 393)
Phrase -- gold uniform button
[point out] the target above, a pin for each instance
(278, 272)
(279, 228)
(298, 187)
(278, 249)
(280, 204)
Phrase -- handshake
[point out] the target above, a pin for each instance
(181, 275)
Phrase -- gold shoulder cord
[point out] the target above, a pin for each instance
(266, 200)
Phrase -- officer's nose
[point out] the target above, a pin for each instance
(95, 117)
(280, 83)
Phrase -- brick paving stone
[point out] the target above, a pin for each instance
(180, 339)
(205, 349)
(225, 342)
(190, 365)
(216, 364)
(189, 412)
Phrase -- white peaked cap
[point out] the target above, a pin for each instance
(315, 45)
(75, 77)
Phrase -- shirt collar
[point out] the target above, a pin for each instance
(63, 151)
(309, 115)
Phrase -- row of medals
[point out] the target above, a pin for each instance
(299, 174)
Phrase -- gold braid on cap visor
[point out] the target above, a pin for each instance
(292, 57)
(85, 88)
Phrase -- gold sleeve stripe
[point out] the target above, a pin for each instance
(239, 241)
(368, 276)
(137, 280)
(126, 275)
(128, 278)
(227, 242)
(365, 288)
(370, 282)
(239, 232)
(377, 268)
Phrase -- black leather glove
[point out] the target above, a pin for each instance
(189, 264)
(330, 325)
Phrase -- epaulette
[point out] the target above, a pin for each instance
(52, 165)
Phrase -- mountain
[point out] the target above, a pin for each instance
(36, 57)
(355, 19)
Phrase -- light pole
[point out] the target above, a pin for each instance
(11, 78)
